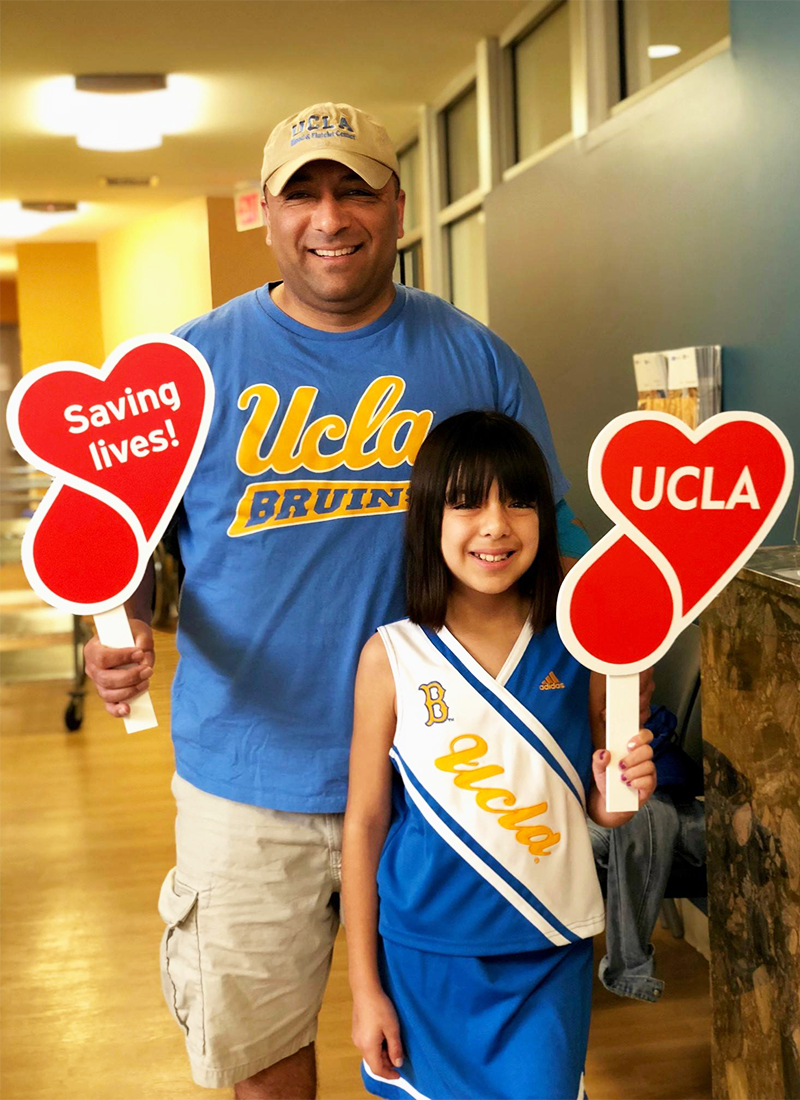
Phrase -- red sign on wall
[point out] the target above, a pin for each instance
(247, 207)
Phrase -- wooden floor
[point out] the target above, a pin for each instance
(87, 824)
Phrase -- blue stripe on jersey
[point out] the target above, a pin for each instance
(501, 708)
(488, 859)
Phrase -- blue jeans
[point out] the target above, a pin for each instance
(638, 858)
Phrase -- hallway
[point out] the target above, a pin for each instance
(87, 838)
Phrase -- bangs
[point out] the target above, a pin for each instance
(490, 456)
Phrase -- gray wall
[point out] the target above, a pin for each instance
(676, 224)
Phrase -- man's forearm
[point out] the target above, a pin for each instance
(140, 604)
(573, 541)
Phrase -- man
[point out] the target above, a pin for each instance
(291, 534)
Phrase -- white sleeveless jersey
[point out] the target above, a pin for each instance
(488, 850)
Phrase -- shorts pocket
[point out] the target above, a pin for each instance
(180, 958)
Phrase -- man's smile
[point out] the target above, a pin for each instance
(334, 253)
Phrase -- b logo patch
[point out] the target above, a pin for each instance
(434, 701)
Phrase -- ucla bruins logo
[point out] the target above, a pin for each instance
(377, 432)
(434, 701)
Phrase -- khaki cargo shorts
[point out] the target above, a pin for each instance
(251, 915)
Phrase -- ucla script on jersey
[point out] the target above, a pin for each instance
(377, 433)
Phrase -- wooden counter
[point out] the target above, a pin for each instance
(750, 639)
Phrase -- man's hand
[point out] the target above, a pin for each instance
(121, 674)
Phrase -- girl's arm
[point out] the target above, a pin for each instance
(637, 768)
(375, 1028)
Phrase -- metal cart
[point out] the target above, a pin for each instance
(38, 642)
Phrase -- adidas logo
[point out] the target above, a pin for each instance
(550, 683)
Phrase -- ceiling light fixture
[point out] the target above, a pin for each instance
(50, 207)
(27, 219)
(120, 112)
(656, 52)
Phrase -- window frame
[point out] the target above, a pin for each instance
(595, 65)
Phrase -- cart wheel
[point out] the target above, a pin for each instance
(73, 715)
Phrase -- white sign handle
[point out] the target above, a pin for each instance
(622, 723)
(114, 630)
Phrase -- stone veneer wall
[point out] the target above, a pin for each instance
(751, 730)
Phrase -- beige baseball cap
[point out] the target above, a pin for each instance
(328, 131)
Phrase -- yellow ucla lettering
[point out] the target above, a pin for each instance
(434, 701)
(466, 780)
(298, 442)
(485, 796)
(419, 426)
(248, 455)
(513, 818)
(330, 427)
(284, 457)
(547, 838)
(537, 838)
(527, 834)
(468, 755)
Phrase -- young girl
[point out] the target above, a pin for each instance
(471, 774)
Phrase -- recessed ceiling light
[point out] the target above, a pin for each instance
(119, 112)
(51, 207)
(656, 52)
(18, 219)
(120, 83)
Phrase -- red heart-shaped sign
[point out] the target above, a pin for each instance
(128, 430)
(608, 613)
(127, 436)
(704, 500)
(690, 508)
(70, 527)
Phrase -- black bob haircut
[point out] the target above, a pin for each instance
(458, 462)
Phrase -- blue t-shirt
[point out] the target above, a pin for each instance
(291, 527)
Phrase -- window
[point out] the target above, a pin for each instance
(461, 145)
(467, 250)
(542, 86)
(408, 269)
(659, 35)
(410, 181)
(410, 266)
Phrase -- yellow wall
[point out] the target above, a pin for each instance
(155, 272)
(79, 301)
(239, 261)
(59, 303)
(9, 310)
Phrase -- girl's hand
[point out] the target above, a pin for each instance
(376, 1033)
(636, 769)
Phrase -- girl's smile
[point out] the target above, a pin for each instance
(490, 558)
